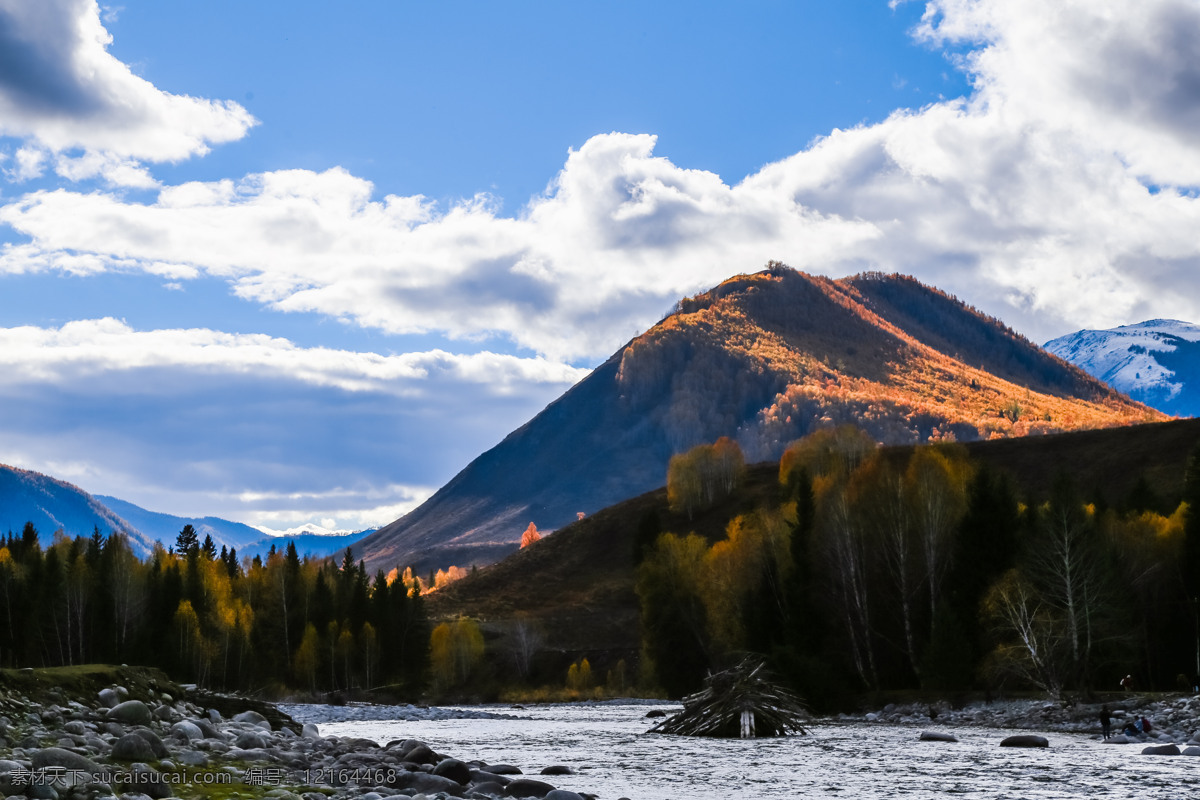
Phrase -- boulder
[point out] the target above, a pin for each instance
(421, 754)
(132, 747)
(310, 731)
(251, 741)
(131, 712)
(108, 697)
(563, 794)
(1119, 738)
(485, 775)
(57, 757)
(453, 769)
(1160, 750)
(503, 769)
(558, 769)
(1025, 740)
(528, 787)
(207, 728)
(156, 744)
(253, 718)
(186, 730)
(148, 781)
(1192, 750)
(426, 783)
(931, 736)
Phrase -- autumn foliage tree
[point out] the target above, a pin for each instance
(703, 475)
(530, 535)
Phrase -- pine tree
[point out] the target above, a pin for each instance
(187, 540)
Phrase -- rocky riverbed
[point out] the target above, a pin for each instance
(1175, 720)
(148, 738)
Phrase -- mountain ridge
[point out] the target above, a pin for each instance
(763, 358)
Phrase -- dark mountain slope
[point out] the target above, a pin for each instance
(579, 583)
(954, 329)
(51, 504)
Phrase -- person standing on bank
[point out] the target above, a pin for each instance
(1105, 721)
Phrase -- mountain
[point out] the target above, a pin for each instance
(316, 545)
(247, 540)
(51, 504)
(165, 527)
(763, 358)
(1156, 362)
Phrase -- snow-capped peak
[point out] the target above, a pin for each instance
(1145, 360)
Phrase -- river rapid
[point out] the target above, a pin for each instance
(608, 747)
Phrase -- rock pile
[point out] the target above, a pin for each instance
(165, 745)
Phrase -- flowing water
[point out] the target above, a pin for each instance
(613, 756)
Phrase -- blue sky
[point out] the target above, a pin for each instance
(299, 263)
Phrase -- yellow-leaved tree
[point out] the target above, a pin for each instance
(455, 648)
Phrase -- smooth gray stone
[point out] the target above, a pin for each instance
(156, 744)
(453, 769)
(109, 697)
(252, 717)
(132, 747)
(1025, 740)
(149, 781)
(528, 787)
(187, 730)
(487, 776)
(310, 731)
(562, 794)
(933, 736)
(426, 783)
(557, 769)
(251, 741)
(1193, 750)
(1160, 750)
(131, 712)
(193, 758)
(57, 757)
(504, 769)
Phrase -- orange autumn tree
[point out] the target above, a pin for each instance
(530, 535)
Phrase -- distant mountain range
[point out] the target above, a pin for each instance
(51, 504)
(1156, 362)
(763, 358)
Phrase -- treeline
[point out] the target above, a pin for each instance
(209, 617)
(883, 568)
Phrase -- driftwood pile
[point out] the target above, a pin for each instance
(738, 703)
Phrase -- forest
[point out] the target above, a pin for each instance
(915, 568)
(209, 618)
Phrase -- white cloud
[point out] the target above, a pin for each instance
(30, 163)
(1127, 75)
(62, 90)
(108, 350)
(251, 427)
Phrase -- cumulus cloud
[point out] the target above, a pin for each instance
(1126, 74)
(61, 90)
(252, 427)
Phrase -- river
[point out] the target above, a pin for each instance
(613, 756)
